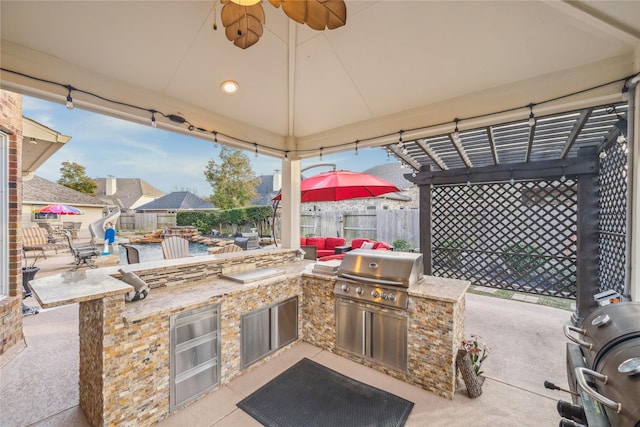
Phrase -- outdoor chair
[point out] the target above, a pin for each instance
(133, 255)
(175, 247)
(229, 248)
(84, 255)
(72, 227)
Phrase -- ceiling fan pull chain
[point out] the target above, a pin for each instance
(215, 15)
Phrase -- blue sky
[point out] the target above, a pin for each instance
(168, 161)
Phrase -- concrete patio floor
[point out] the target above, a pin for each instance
(39, 385)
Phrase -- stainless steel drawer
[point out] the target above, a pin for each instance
(195, 354)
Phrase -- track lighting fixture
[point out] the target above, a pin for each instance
(356, 147)
(69, 99)
(532, 119)
(456, 133)
(153, 120)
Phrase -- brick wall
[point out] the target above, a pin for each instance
(11, 307)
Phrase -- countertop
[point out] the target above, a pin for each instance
(168, 299)
(439, 288)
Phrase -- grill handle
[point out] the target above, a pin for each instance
(582, 382)
(374, 281)
(567, 328)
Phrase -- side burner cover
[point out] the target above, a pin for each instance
(387, 267)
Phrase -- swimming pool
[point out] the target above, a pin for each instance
(153, 251)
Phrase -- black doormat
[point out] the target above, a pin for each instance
(309, 394)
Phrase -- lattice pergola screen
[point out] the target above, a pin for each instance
(613, 218)
(517, 236)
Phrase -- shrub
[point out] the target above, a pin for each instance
(402, 245)
(523, 257)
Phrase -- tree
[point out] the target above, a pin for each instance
(73, 176)
(233, 181)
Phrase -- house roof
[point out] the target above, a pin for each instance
(128, 191)
(264, 191)
(41, 191)
(177, 201)
(38, 144)
(392, 172)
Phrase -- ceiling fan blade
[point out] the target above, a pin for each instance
(243, 25)
(317, 14)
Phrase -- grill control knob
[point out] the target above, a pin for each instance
(359, 291)
(375, 294)
(345, 288)
(392, 297)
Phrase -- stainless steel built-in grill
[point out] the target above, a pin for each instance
(378, 277)
(371, 303)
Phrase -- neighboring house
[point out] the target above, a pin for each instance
(39, 192)
(176, 201)
(126, 193)
(267, 189)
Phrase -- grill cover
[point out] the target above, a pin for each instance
(383, 267)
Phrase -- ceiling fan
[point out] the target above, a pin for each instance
(243, 20)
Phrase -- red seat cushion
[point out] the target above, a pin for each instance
(318, 242)
(382, 246)
(331, 257)
(356, 243)
(332, 242)
(303, 241)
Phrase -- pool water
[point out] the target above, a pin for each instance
(153, 251)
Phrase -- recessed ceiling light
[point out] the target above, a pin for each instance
(229, 87)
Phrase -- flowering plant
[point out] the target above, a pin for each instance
(478, 352)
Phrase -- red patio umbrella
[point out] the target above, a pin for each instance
(342, 185)
(59, 209)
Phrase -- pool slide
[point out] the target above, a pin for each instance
(99, 227)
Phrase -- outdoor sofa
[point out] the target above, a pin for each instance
(358, 244)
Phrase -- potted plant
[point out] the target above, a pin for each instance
(471, 355)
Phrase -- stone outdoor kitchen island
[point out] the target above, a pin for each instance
(125, 347)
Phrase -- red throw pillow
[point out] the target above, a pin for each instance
(382, 246)
(356, 243)
(318, 242)
(332, 242)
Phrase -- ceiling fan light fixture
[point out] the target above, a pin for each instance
(229, 87)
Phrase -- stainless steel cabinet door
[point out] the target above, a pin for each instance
(389, 339)
(350, 327)
(256, 336)
(286, 315)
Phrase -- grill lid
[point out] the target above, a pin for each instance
(383, 267)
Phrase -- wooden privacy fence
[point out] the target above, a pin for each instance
(380, 224)
(146, 221)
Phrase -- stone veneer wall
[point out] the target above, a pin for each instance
(11, 337)
(124, 372)
(318, 309)
(436, 331)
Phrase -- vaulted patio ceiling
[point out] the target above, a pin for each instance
(395, 65)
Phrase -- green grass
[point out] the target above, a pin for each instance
(560, 303)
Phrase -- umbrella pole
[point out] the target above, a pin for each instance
(273, 223)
